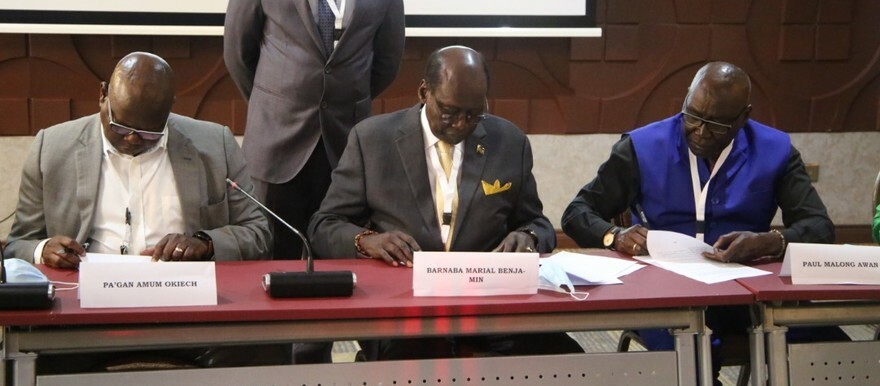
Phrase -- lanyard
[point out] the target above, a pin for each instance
(700, 192)
(337, 11)
(447, 187)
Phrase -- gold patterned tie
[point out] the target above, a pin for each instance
(444, 152)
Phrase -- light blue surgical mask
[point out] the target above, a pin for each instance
(20, 271)
(552, 277)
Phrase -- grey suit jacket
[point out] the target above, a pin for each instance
(59, 187)
(382, 183)
(296, 94)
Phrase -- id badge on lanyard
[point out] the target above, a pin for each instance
(338, 12)
(700, 192)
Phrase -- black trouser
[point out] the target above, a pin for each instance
(296, 201)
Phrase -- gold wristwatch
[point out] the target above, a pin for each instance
(610, 236)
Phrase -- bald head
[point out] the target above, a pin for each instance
(454, 92)
(716, 108)
(724, 82)
(457, 63)
(144, 80)
(139, 96)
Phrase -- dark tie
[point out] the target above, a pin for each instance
(326, 21)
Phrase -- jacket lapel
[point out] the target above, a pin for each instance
(305, 13)
(89, 156)
(187, 175)
(411, 150)
(471, 172)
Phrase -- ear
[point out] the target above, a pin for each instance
(746, 114)
(423, 92)
(102, 93)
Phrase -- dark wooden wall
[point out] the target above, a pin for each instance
(814, 65)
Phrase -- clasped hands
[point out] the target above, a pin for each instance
(396, 248)
(65, 252)
(733, 247)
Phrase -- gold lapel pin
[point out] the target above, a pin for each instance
(480, 149)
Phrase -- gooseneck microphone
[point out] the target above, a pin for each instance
(308, 284)
(23, 296)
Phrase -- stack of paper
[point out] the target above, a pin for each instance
(683, 255)
(593, 270)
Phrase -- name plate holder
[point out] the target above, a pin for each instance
(831, 264)
(474, 273)
(126, 285)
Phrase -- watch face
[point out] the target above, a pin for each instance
(609, 239)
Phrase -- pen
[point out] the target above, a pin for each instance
(123, 249)
(642, 215)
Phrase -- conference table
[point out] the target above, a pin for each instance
(382, 306)
(782, 305)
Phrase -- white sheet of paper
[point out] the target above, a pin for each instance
(831, 264)
(114, 258)
(474, 273)
(593, 270)
(682, 254)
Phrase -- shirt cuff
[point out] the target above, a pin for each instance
(38, 252)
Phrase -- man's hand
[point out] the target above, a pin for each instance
(632, 240)
(395, 247)
(516, 241)
(737, 247)
(178, 247)
(62, 252)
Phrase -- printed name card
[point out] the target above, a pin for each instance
(831, 264)
(111, 285)
(474, 273)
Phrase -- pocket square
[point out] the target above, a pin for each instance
(490, 189)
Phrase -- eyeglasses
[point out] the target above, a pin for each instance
(126, 131)
(714, 127)
(469, 116)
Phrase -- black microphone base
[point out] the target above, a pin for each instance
(309, 285)
(26, 296)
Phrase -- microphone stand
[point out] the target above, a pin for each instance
(308, 284)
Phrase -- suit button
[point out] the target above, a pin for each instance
(715, 201)
(327, 70)
(323, 105)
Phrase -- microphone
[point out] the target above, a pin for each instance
(23, 296)
(308, 284)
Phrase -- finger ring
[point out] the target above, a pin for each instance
(529, 249)
(636, 247)
(178, 249)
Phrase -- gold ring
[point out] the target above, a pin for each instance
(636, 247)
(178, 249)
(529, 249)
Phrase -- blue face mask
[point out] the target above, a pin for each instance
(20, 271)
(552, 277)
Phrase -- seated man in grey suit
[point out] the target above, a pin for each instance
(136, 179)
(393, 193)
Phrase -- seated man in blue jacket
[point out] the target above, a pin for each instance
(709, 172)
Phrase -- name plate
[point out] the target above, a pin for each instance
(474, 273)
(831, 264)
(112, 285)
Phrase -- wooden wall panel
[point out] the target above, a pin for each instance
(814, 65)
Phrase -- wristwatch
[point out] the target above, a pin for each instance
(610, 236)
(531, 233)
(201, 235)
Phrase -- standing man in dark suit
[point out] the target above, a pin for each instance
(309, 70)
(393, 193)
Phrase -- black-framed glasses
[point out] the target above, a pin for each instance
(714, 127)
(470, 117)
(125, 131)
